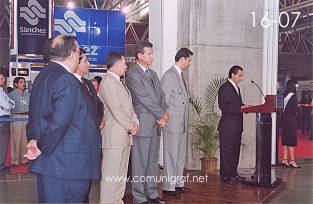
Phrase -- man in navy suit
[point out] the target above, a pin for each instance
(231, 124)
(63, 133)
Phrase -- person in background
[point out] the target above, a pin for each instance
(289, 125)
(6, 105)
(306, 115)
(96, 82)
(121, 125)
(18, 128)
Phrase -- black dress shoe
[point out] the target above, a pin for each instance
(157, 200)
(172, 193)
(183, 189)
(240, 178)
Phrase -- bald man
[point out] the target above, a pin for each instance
(64, 136)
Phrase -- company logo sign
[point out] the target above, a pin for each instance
(32, 25)
(33, 12)
(71, 24)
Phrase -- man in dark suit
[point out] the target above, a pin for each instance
(151, 109)
(64, 136)
(90, 92)
(231, 124)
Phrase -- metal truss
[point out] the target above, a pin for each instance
(136, 32)
(97, 4)
(297, 37)
(4, 19)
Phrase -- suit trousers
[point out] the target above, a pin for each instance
(18, 140)
(114, 174)
(4, 134)
(174, 145)
(55, 190)
(229, 153)
(144, 155)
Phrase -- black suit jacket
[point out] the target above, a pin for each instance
(230, 102)
(289, 116)
(96, 103)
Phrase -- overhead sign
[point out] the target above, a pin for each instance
(99, 32)
(32, 26)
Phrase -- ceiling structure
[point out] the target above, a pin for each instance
(136, 13)
(297, 36)
(294, 37)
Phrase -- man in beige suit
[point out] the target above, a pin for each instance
(121, 124)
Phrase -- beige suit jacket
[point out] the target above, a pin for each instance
(119, 116)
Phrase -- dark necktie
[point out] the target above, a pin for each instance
(85, 87)
(148, 73)
(183, 79)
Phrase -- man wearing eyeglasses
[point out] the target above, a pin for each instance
(89, 90)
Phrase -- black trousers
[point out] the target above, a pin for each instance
(229, 153)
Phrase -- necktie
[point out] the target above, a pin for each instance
(183, 79)
(85, 87)
(148, 73)
(238, 91)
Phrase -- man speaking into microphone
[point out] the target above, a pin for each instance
(231, 124)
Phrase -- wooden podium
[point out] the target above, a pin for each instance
(262, 176)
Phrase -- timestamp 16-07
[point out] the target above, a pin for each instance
(266, 21)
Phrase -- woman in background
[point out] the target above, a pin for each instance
(289, 124)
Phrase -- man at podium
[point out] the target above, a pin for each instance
(230, 125)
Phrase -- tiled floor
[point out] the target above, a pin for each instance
(21, 188)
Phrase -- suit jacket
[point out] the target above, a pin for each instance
(120, 115)
(230, 103)
(176, 96)
(96, 103)
(148, 99)
(66, 130)
(289, 116)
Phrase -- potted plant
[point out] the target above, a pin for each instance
(205, 127)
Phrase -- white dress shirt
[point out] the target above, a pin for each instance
(6, 104)
(235, 86)
(63, 65)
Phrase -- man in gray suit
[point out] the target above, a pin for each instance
(151, 109)
(175, 132)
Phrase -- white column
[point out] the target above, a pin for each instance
(270, 59)
(163, 35)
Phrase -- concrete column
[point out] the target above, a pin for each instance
(270, 59)
(221, 34)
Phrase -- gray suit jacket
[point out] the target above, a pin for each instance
(148, 99)
(176, 96)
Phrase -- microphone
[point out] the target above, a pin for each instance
(258, 88)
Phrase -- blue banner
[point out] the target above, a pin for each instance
(97, 31)
(32, 25)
